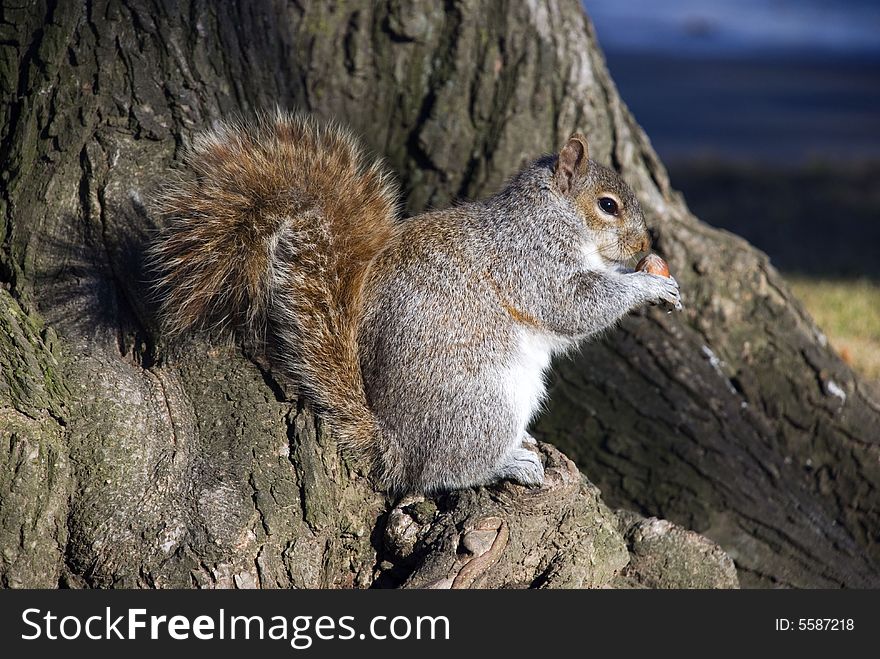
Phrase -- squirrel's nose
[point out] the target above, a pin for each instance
(645, 245)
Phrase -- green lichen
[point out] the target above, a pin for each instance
(29, 359)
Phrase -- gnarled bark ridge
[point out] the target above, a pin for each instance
(130, 462)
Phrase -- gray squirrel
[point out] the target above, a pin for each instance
(423, 341)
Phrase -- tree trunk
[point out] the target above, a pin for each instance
(130, 462)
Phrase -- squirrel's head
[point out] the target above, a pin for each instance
(607, 206)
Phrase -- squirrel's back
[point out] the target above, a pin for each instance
(275, 233)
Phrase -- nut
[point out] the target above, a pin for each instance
(654, 265)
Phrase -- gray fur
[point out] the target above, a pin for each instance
(438, 340)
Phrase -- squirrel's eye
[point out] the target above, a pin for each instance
(608, 205)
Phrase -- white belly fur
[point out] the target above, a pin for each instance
(524, 377)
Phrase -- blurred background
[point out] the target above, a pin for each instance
(767, 115)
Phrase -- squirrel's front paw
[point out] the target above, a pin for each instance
(662, 290)
(522, 466)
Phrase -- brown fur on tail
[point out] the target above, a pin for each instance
(272, 239)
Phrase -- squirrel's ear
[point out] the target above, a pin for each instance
(572, 162)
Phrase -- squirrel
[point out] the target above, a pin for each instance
(423, 341)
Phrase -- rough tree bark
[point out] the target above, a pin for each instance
(129, 462)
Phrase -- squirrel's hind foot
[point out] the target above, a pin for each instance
(522, 466)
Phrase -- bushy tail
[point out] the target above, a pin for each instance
(272, 240)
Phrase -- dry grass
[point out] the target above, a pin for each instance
(848, 311)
